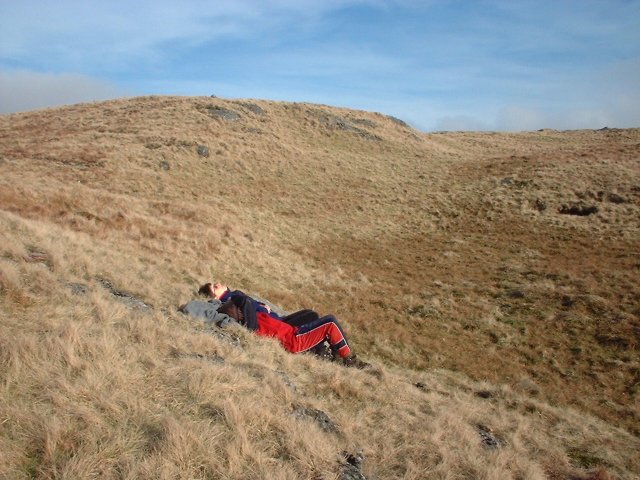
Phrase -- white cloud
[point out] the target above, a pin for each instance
(23, 90)
(142, 28)
(494, 65)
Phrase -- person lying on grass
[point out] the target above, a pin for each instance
(221, 292)
(296, 339)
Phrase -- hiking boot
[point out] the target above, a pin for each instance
(354, 362)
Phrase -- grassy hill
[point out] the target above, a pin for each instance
(491, 279)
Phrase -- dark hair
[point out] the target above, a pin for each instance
(205, 290)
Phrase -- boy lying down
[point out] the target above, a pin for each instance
(301, 334)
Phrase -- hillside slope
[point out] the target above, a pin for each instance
(491, 279)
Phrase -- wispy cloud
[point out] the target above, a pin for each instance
(491, 64)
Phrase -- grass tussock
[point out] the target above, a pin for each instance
(502, 330)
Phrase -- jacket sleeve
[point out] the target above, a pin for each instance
(208, 312)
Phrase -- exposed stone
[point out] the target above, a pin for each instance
(128, 299)
(580, 210)
(252, 107)
(366, 122)
(352, 466)
(223, 113)
(334, 122)
(321, 418)
(398, 121)
(202, 151)
(489, 439)
(164, 165)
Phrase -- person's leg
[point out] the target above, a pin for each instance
(327, 328)
(297, 319)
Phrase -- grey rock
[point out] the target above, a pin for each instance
(366, 122)
(321, 418)
(580, 210)
(202, 151)
(128, 299)
(398, 121)
(352, 466)
(223, 113)
(164, 165)
(334, 122)
(488, 438)
(252, 107)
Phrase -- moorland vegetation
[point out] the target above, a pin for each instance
(491, 280)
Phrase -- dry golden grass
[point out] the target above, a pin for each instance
(445, 255)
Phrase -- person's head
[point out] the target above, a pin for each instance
(218, 289)
(205, 290)
(213, 290)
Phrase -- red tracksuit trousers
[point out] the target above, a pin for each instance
(307, 336)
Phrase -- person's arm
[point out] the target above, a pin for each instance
(208, 312)
(261, 307)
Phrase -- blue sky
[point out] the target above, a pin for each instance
(439, 65)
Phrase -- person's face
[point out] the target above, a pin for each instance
(217, 290)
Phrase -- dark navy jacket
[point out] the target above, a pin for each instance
(259, 307)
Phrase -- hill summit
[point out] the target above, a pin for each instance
(491, 279)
